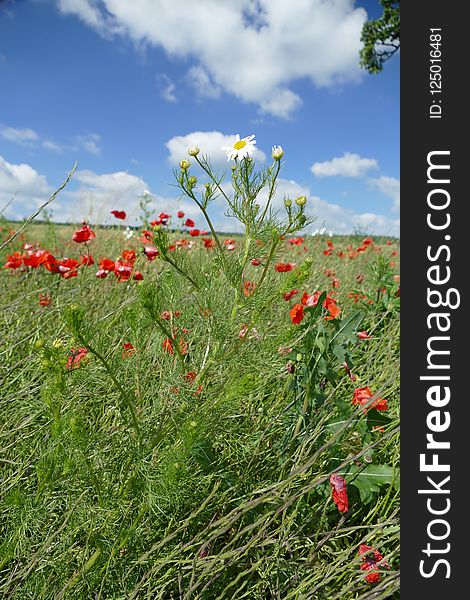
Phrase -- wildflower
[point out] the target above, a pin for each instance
(44, 299)
(129, 255)
(301, 201)
(128, 233)
(277, 152)
(75, 357)
(332, 308)
(107, 264)
(340, 496)
(184, 164)
(14, 261)
(230, 244)
(138, 276)
(241, 148)
(151, 252)
(119, 214)
(296, 314)
(128, 350)
(287, 202)
(194, 232)
(310, 299)
(102, 273)
(363, 335)
(87, 260)
(255, 262)
(351, 375)
(189, 223)
(362, 397)
(67, 267)
(284, 267)
(167, 315)
(122, 270)
(193, 151)
(208, 242)
(180, 214)
(35, 258)
(84, 234)
(296, 241)
(248, 288)
(370, 558)
(288, 295)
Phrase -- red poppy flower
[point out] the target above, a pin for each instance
(296, 313)
(147, 236)
(310, 299)
(129, 255)
(180, 214)
(75, 357)
(138, 276)
(119, 214)
(151, 252)
(35, 259)
(288, 295)
(102, 273)
(167, 315)
(296, 241)
(332, 308)
(67, 267)
(189, 223)
(284, 267)
(208, 242)
(128, 350)
(87, 260)
(14, 261)
(363, 395)
(122, 270)
(107, 264)
(330, 243)
(340, 496)
(194, 232)
(84, 234)
(363, 335)
(370, 559)
(51, 264)
(44, 299)
(168, 346)
(328, 252)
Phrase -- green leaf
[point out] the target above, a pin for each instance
(368, 481)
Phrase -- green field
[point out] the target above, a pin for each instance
(174, 436)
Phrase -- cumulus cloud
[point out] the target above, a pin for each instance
(200, 80)
(210, 143)
(253, 50)
(348, 165)
(388, 186)
(29, 187)
(19, 136)
(166, 87)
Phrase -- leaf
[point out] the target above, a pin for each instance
(368, 481)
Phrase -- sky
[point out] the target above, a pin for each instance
(124, 88)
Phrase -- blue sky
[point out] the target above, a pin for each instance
(123, 88)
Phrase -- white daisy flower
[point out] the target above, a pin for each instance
(240, 148)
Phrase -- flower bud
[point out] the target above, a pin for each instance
(192, 181)
(301, 201)
(193, 150)
(277, 152)
(287, 202)
(184, 164)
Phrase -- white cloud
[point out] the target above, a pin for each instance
(252, 49)
(348, 165)
(388, 186)
(210, 143)
(19, 136)
(200, 80)
(89, 142)
(166, 87)
(48, 145)
(26, 184)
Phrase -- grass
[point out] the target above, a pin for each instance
(119, 480)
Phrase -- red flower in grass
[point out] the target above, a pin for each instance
(340, 496)
(14, 261)
(75, 357)
(230, 244)
(284, 267)
(138, 276)
(44, 299)
(363, 395)
(310, 299)
(189, 223)
(128, 350)
(67, 267)
(296, 313)
(129, 256)
(288, 295)
(363, 335)
(296, 241)
(167, 315)
(194, 232)
(370, 559)
(151, 252)
(208, 242)
(122, 270)
(332, 308)
(119, 214)
(248, 288)
(168, 346)
(180, 214)
(84, 234)
(35, 259)
(102, 273)
(107, 264)
(87, 260)
(255, 262)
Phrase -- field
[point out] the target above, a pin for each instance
(189, 414)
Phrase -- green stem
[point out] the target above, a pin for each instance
(181, 272)
(268, 263)
(271, 190)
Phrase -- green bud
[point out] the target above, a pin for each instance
(184, 164)
(301, 201)
(192, 181)
(287, 202)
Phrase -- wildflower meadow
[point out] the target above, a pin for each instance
(192, 414)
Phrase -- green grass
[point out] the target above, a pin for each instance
(114, 485)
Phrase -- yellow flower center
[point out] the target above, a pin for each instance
(239, 145)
